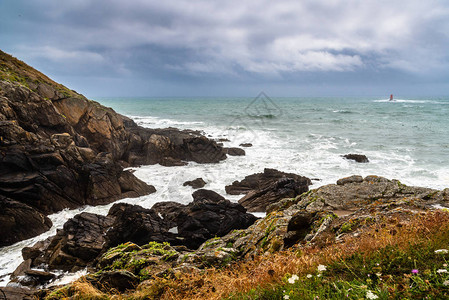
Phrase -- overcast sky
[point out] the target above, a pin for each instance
(233, 48)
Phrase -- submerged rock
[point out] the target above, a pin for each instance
(234, 151)
(196, 184)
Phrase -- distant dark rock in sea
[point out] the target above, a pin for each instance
(60, 150)
(234, 151)
(196, 183)
(360, 158)
(246, 145)
(263, 189)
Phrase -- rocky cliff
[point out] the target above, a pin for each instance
(60, 150)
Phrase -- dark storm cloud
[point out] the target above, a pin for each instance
(177, 42)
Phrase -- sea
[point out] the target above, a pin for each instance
(405, 139)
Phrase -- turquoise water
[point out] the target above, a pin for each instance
(407, 139)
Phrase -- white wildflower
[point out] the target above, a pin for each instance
(309, 275)
(441, 251)
(293, 279)
(446, 282)
(321, 268)
(445, 265)
(371, 295)
(378, 274)
(441, 271)
(286, 297)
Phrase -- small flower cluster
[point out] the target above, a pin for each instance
(371, 295)
(293, 279)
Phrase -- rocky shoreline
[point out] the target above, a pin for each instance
(60, 150)
(132, 247)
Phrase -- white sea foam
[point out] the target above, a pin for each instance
(421, 101)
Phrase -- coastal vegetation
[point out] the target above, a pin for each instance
(388, 260)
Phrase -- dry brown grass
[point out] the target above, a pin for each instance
(270, 269)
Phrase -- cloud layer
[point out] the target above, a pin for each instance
(183, 41)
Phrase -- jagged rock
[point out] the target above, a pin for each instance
(350, 193)
(87, 236)
(36, 278)
(169, 211)
(210, 215)
(136, 224)
(19, 221)
(326, 214)
(119, 280)
(360, 158)
(196, 183)
(60, 150)
(264, 189)
(259, 200)
(234, 151)
(16, 293)
(260, 181)
(76, 245)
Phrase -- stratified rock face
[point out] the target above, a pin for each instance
(60, 150)
(264, 189)
(18, 222)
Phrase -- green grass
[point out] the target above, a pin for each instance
(410, 271)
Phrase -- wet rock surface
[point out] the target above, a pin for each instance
(87, 236)
(264, 189)
(233, 151)
(360, 158)
(19, 221)
(319, 217)
(196, 183)
(60, 150)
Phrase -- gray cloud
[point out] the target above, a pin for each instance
(265, 41)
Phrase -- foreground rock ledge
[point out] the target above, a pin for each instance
(319, 217)
(87, 236)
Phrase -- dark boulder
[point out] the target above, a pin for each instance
(60, 150)
(75, 246)
(264, 189)
(210, 215)
(16, 293)
(246, 145)
(260, 181)
(259, 200)
(360, 158)
(136, 224)
(168, 211)
(19, 221)
(196, 183)
(234, 151)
